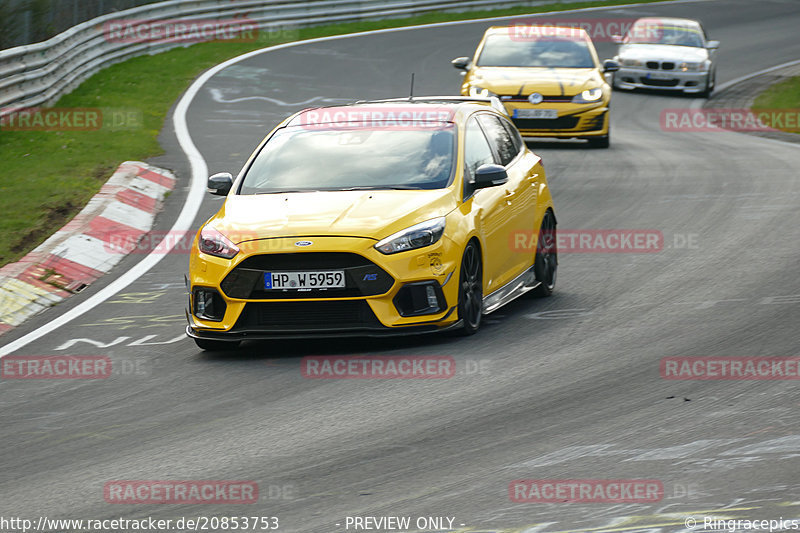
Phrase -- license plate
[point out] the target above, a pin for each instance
(536, 113)
(329, 279)
(659, 75)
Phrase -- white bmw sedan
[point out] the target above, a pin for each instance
(666, 53)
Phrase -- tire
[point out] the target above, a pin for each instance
(470, 290)
(216, 346)
(710, 83)
(600, 142)
(545, 265)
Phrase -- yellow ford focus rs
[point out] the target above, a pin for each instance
(548, 77)
(379, 218)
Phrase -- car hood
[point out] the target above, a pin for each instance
(371, 214)
(663, 52)
(549, 81)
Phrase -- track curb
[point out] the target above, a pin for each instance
(742, 93)
(88, 246)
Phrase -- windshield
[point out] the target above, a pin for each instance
(503, 50)
(302, 159)
(649, 33)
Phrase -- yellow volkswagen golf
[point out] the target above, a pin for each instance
(548, 77)
(379, 218)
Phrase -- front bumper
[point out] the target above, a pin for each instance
(574, 120)
(322, 333)
(381, 298)
(672, 80)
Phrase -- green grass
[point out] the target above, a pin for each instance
(49, 176)
(784, 96)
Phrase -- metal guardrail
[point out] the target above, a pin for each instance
(38, 74)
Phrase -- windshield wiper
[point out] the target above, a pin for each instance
(379, 188)
(287, 191)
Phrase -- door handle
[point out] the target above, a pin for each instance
(508, 196)
(533, 177)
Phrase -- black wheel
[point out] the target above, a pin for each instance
(216, 346)
(601, 142)
(710, 83)
(545, 265)
(470, 290)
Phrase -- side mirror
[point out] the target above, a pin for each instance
(617, 39)
(490, 175)
(220, 184)
(609, 65)
(712, 45)
(461, 63)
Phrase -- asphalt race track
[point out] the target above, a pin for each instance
(563, 388)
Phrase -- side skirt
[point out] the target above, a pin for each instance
(510, 291)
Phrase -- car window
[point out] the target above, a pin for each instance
(502, 50)
(477, 152)
(500, 138)
(676, 34)
(352, 156)
(516, 138)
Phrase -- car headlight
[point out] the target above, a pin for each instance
(212, 242)
(588, 96)
(474, 90)
(630, 62)
(417, 236)
(693, 67)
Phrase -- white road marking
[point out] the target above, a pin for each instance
(780, 445)
(681, 451)
(93, 342)
(217, 96)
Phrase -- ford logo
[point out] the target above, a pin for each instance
(535, 98)
(303, 243)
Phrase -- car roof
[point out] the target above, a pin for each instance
(668, 21)
(576, 33)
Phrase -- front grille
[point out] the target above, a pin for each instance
(560, 123)
(305, 261)
(362, 276)
(545, 98)
(665, 65)
(659, 83)
(299, 316)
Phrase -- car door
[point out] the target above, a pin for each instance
(490, 205)
(522, 186)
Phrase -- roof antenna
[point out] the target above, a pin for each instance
(411, 92)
